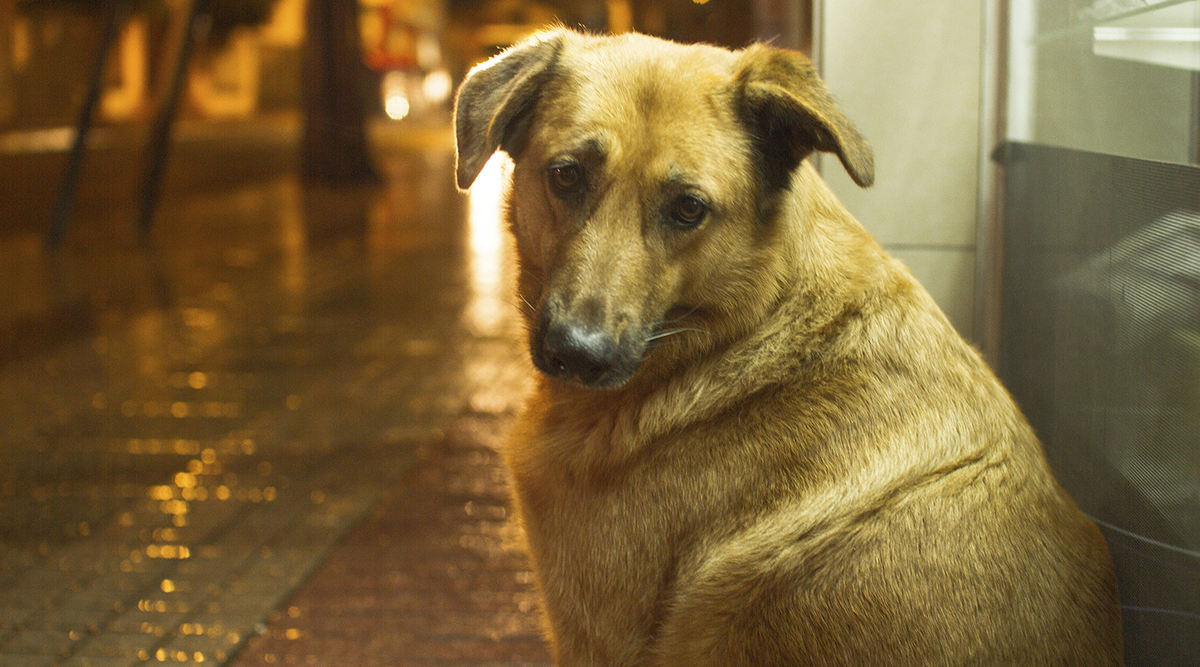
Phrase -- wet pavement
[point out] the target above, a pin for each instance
(271, 438)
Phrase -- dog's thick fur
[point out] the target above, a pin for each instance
(776, 450)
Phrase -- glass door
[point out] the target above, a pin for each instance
(1099, 324)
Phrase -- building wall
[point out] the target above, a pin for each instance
(908, 75)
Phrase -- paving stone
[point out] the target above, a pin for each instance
(404, 588)
(204, 648)
(115, 645)
(41, 642)
(97, 661)
(12, 617)
(66, 619)
(145, 622)
(26, 660)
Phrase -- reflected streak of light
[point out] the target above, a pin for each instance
(168, 551)
(293, 236)
(149, 340)
(486, 243)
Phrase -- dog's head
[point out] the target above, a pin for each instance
(647, 186)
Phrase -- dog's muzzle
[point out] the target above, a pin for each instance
(580, 353)
(583, 354)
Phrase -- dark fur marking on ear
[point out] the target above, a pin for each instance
(778, 144)
(497, 100)
(789, 113)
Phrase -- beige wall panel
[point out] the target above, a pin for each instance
(907, 74)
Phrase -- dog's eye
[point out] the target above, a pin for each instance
(565, 178)
(689, 211)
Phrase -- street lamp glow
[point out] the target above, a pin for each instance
(395, 101)
(396, 106)
(437, 86)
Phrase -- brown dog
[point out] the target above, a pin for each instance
(755, 439)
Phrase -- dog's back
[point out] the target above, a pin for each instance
(944, 540)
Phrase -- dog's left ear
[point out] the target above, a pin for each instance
(497, 99)
(791, 113)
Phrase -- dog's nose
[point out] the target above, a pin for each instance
(574, 351)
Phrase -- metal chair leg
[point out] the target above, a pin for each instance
(160, 138)
(118, 10)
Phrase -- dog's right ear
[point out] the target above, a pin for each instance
(496, 101)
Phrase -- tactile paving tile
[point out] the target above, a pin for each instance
(435, 575)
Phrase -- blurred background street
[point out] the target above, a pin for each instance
(191, 431)
(264, 428)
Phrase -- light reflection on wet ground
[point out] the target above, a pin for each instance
(186, 433)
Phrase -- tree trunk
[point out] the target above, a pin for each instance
(334, 145)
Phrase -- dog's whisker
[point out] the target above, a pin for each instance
(533, 275)
(519, 307)
(532, 308)
(683, 316)
(671, 332)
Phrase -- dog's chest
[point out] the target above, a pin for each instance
(611, 542)
(607, 553)
(605, 559)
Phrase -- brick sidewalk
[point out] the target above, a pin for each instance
(269, 436)
(435, 576)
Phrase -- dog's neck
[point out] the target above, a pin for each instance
(749, 351)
